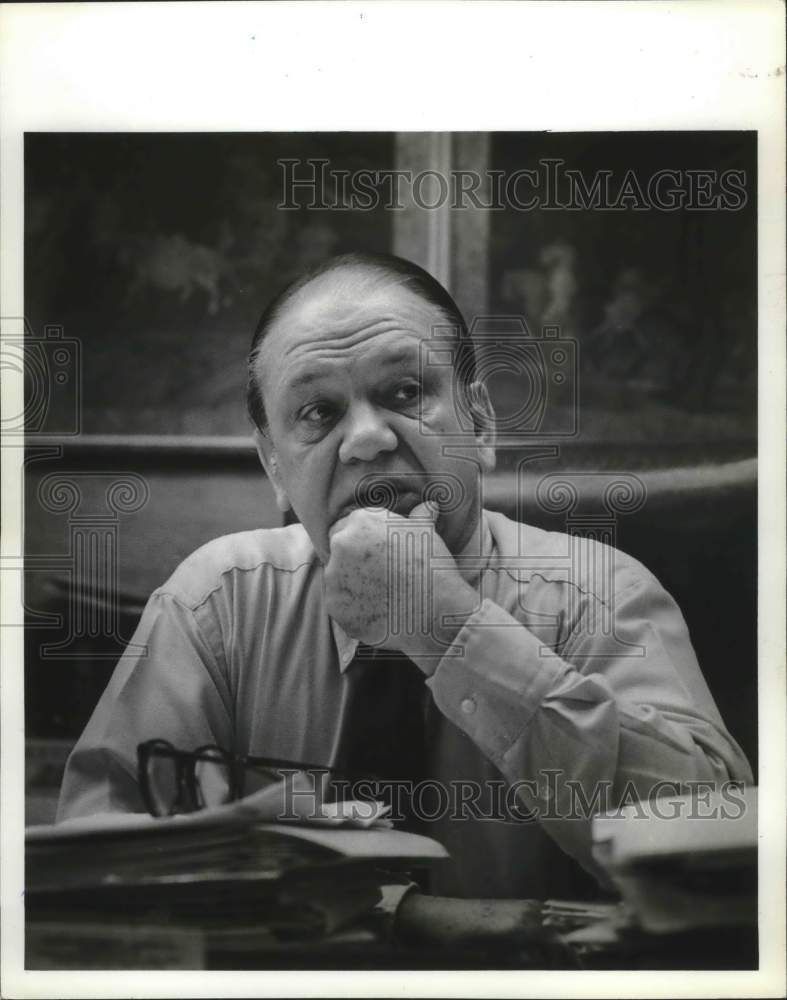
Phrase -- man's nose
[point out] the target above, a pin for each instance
(366, 433)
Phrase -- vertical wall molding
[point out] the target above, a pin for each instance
(471, 228)
(450, 241)
(423, 235)
(439, 219)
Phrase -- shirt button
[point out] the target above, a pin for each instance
(468, 706)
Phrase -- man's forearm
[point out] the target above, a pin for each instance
(574, 742)
(442, 922)
(454, 604)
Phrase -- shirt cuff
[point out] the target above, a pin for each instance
(387, 908)
(493, 679)
(392, 897)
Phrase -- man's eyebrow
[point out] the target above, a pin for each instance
(403, 355)
(304, 378)
(399, 356)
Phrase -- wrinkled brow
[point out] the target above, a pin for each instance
(399, 356)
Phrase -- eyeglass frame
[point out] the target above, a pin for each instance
(237, 764)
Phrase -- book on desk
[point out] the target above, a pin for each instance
(132, 891)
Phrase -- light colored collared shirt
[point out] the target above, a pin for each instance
(574, 685)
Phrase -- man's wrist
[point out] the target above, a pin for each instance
(453, 606)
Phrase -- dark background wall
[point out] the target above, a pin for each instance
(158, 253)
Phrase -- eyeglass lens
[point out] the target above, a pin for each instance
(212, 782)
(165, 786)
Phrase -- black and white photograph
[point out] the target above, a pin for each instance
(395, 589)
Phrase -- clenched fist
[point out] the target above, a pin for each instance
(390, 581)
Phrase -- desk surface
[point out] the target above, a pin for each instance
(366, 945)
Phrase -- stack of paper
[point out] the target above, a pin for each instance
(221, 871)
(686, 862)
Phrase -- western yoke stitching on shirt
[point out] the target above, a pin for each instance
(231, 569)
(638, 581)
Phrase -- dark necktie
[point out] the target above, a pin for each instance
(385, 734)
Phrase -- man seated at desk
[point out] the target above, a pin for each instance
(488, 668)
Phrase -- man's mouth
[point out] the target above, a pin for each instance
(399, 497)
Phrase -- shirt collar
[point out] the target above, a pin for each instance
(345, 645)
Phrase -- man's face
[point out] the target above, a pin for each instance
(350, 405)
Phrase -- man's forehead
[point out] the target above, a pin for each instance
(341, 317)
(343, 303)
(305, 370)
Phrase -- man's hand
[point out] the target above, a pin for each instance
(390, 581)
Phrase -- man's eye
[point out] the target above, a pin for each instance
(407, 393)
(316, 414)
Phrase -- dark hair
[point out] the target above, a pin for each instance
(398, 270)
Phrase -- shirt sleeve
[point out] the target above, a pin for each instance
(618, 714)
(170, 683)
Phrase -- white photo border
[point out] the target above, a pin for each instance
(401, 66)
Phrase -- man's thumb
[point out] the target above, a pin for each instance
(426, 511)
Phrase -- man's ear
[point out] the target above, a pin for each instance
(267, 455)
(484, 419)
